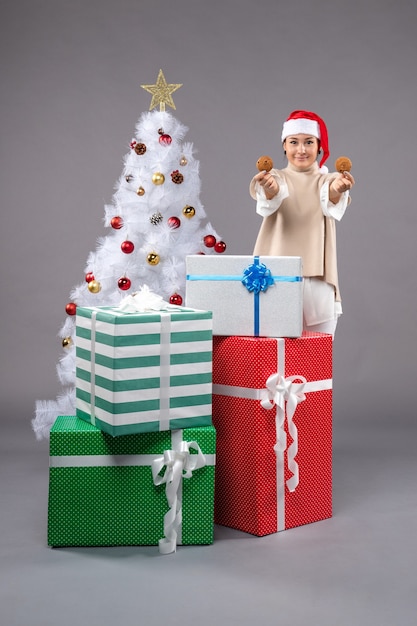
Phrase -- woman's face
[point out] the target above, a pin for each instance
(302, 150)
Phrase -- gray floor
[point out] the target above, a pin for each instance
(358, 568)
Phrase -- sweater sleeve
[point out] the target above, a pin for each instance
(336, 211)
(266, 207)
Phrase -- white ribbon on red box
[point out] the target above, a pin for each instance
(285, 394)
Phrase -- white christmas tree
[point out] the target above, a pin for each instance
(156, 219)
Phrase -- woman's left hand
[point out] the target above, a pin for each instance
(343, 182)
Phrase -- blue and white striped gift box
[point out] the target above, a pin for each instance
(143, 372)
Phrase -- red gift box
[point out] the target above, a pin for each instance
(272, 409)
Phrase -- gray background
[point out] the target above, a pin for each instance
(70, 99)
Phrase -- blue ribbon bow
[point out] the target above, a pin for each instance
(257, 277)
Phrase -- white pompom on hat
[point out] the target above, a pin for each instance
(307, 123)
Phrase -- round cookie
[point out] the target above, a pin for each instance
(343, 164)
(264, 163)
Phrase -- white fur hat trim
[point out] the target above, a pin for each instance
(304, 126)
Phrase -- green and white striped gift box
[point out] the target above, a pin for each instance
(143, 372)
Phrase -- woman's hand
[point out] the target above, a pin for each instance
(268, 183)
(344, 181)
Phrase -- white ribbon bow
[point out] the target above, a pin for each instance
(285, 394)
(141, 301)
(178, 464)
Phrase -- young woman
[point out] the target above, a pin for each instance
(299, 205)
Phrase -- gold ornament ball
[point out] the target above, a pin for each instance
(94, 286)
(153, 258)
(183, 161)
(188, 211)
(66, 342)
(140, 191)
(158, 178)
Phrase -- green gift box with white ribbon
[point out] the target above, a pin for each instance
(142, 489)
(143, 371)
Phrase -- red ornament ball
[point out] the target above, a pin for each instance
(209, 241)
(175, 299)
(174, 222)
(124, 283)
(116, 222)
(71, 308)
(127, 247)
(165, 140)
(220, 247)
(89, 277)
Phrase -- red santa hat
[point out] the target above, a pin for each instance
(307, 123)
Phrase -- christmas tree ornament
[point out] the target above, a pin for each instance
(174, 222)
(161, 92)
(153, 258)
(66, 342)
(160, 131)
(183, 161)
(177, 177)
(219, 247)
(158, 178)
(133, 144)
(156, 218)
(116, 222)
(71, 308)
(89, 277)
(176, 299)
(140, 148)
(124, 283)
(188, 211)
(165, 140)
(128, 178)
(127, 247)
(140, 191)
(209, 241)
(94, 286)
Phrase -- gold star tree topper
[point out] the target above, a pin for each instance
(161, 92)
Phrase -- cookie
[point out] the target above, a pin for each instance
(343, 164)
(264, 163)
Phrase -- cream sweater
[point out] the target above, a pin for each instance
(294, 223)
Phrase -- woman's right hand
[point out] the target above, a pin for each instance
(268, 183)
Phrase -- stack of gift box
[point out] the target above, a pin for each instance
(216, 412)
